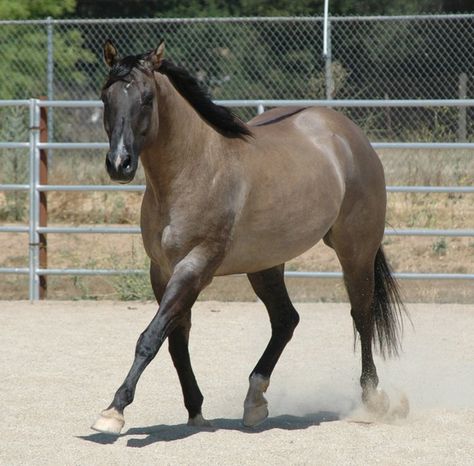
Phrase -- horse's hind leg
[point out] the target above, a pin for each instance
(359, 281)
(270, 287)
(374, 304)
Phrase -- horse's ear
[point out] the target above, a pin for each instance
(110, 53)
(157, 55)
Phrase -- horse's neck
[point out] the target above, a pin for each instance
(180, 142)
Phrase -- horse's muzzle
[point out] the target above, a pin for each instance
(121, 167)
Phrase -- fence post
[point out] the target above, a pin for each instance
(328, 63)
(50, 72)
(34, 201)
(43, 207)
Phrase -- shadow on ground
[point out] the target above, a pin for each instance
(167, 433)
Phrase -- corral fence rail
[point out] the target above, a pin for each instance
(37, 186)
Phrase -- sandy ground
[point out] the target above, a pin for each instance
(62, 361)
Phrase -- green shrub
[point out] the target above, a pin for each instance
(440, 247)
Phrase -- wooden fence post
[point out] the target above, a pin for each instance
(43, 214)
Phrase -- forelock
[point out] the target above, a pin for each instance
(123, 68)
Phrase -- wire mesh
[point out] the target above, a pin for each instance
(260, 58)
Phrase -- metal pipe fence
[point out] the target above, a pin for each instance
(34, 187)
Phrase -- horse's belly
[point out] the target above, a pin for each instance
(256, 248)
(252, 258)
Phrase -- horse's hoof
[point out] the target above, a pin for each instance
(255, 404)
(377, 402)
(254, 415)
(198, 421)
(401, 410)
(110, 421)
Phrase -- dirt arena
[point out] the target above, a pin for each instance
(62, 361)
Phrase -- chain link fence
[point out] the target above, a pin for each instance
(419, 57)
(422, 57)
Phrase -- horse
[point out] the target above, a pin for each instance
(224, 197)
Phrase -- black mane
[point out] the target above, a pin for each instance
(221, 118)
(189, 87)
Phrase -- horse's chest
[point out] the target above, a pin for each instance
(152, 244)
(167, 244)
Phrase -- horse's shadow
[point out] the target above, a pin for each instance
(167, 433)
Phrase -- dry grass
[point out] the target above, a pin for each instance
(407, 254)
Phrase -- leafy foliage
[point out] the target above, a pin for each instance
(14, 163)
(23, 73)
(214, 8)
(31, 9)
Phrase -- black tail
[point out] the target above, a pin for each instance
(387, 307)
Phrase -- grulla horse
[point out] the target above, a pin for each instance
(224, 197)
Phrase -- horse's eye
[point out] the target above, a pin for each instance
(147, 99)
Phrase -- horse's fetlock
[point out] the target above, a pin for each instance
(194, 405)
(124, 396)
(369, 381)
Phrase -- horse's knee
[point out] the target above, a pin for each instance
(146, 348)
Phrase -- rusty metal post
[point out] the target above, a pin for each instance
(43, 213)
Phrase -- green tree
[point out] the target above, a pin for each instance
(33, 9)
(213, 8)
(23, 52)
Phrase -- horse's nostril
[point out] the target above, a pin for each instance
(120, 167)
(127, 163)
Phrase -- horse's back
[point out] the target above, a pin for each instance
(333, 136)
(275, 115)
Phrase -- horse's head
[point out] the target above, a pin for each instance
(129, 101)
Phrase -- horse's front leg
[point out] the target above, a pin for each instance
(189, 277)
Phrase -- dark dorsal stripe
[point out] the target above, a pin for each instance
(219, 117)
(271, 121)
